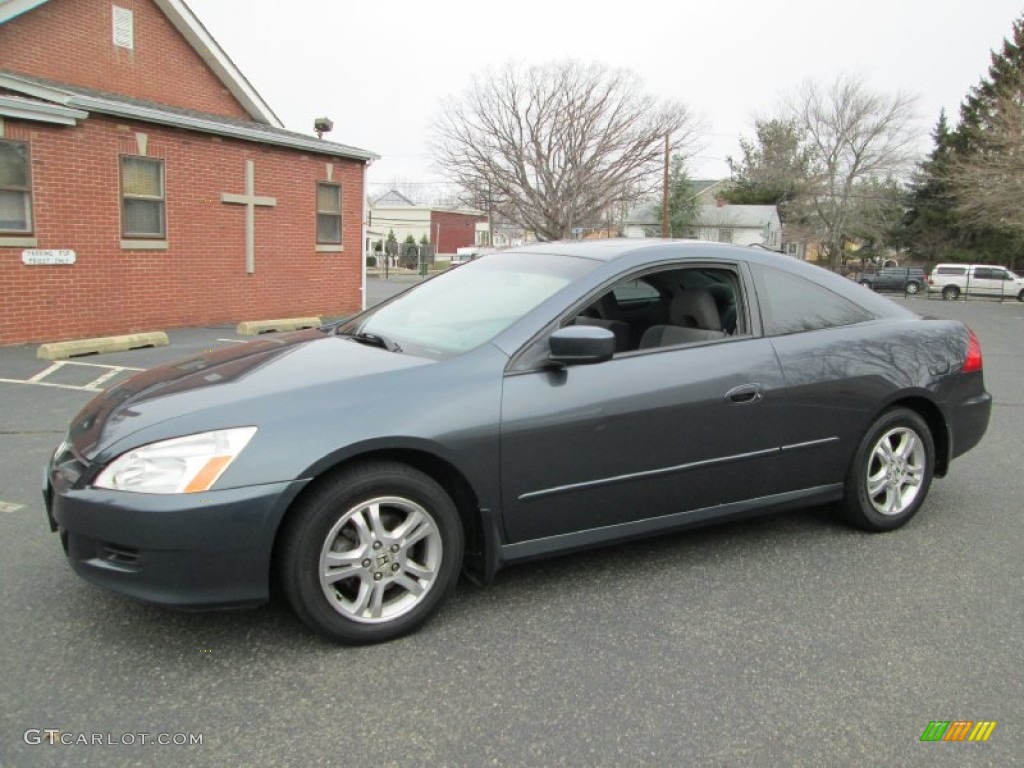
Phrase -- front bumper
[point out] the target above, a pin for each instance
(199, 550)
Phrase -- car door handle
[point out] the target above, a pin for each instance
(745, 394)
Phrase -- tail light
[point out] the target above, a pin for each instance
(973, 359)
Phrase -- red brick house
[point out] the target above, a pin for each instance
(144, 184)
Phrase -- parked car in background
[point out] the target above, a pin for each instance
(902, 279)
(595, 392)
(468, 254)
(952, 280)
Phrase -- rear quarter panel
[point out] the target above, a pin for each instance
(840, 379)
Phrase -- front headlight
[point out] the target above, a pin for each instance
(189, 464)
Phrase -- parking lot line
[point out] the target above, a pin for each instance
(96, 385)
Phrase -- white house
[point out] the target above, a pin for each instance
(720, 223)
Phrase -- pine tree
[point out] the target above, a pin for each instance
(983, 167)
(682, 201)
(929, 226)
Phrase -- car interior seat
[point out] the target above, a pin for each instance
(694, 316)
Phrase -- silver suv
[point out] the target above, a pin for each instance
(951, 280)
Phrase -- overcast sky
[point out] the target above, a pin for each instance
(379, 70)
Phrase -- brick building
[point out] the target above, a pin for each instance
(144, 184)
(447, 229)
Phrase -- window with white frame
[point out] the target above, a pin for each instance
(328, 213)
(142, 197)
(15, 188)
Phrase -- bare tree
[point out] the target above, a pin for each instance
(556, 146)
(989, 182)
(854, 139)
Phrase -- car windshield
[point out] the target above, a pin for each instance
(459, 310)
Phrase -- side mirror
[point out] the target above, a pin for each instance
(581, 345)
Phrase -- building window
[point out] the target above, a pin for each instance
(142, 197)
(328, 213)
(15, 188)
(725, 235)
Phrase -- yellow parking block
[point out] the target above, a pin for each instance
(60, 350)
(255, 327)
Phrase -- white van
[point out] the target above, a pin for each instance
(951, 280)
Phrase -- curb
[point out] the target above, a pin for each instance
(59, 350)
(256, 327)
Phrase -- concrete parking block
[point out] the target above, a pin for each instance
(256, 327)
(61, 350)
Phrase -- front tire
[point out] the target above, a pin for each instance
(891, 472)
(371, 553)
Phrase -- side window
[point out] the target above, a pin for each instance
(670, 307)
(791, 304)
(15, 188)
(142, 197)
(328, 213)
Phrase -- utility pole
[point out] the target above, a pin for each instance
(664, 194)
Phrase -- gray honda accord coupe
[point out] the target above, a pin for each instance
(535, 401)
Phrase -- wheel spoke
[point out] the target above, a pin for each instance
(376, 525)
(363, 598)
(906, 445)
(377, 599)
(914, 476)
(876, 484)
(418, 571)
(410, 585)
(413, 529)
(892, 501)
(342, 565)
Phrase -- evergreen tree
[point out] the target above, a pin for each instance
(929, 225)
(682, 201)
(983, 170)
(773, 169)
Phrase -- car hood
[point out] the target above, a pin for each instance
(223, 381)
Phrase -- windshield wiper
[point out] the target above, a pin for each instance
(373, 340)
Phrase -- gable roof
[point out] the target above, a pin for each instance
(394, 197)
(738, 216)
(47, 101)
(182, 18)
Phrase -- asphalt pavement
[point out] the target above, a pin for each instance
(788, 640)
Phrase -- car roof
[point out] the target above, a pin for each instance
(616, 248)
(638, 251)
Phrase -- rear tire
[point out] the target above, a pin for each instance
(913, 287)
(1020, 296)
(371, 553)
(951, 293)
(891, 472)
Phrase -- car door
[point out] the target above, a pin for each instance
(650, 432)
(984, 281)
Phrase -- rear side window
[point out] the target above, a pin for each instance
(951, 271)
(790, 304)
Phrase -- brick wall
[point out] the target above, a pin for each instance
(457, 230)
(72, 42)
(201, 277)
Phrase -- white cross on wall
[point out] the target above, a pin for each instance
(250, 200)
